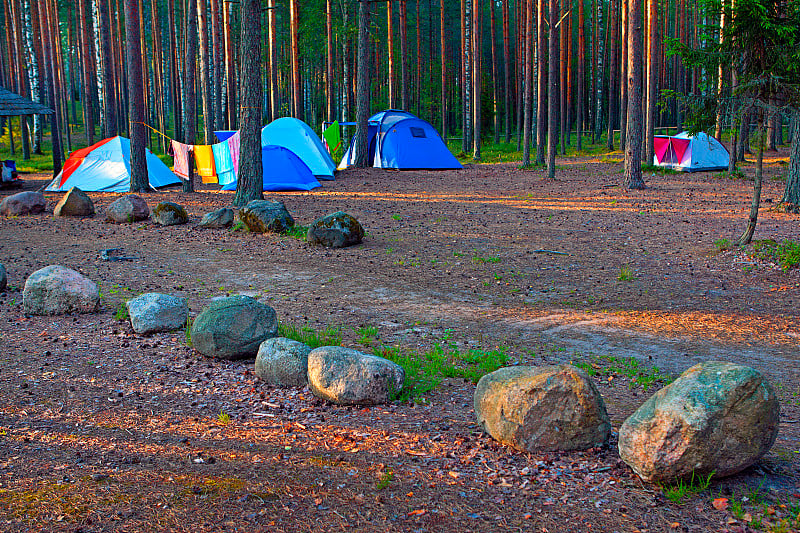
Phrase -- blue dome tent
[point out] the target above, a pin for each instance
(283, 171)
(399, 140)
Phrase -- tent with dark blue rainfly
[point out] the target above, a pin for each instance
(283, 171)
(397, 139)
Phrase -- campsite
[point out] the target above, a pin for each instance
(283, 266)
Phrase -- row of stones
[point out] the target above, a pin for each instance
(716, 417)
(259, 216)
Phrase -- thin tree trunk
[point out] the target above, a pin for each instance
(217, 76)
(552, 91)
(251, 91)
(581, 99)
(495, 78)
(541, 90)
(752, 219)
(230, 68)
(86, 72)
(404, 98)
(47, 49)
(468, 86)
(443, 50)
(174, 82)
(476, 79)
(205, 74)
(109, 101)
(612, 67)
(362, 87)
(563, 72)
(598, 96)
(390, 50)
(297, 93)
(329, 85)
(791, 194)
(273, 59)
(723, 20)
(623, 93)
(633, 146)
(506, 71)
(189, 87)
(652, 80)
(527, 86)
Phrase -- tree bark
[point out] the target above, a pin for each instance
(752, 219)
(527, 86)
(230, 68)
(404, 97)
(329, 84)
(273, 59)
(139, 178)
(297, 90)
(495, 77)
(217, 55)
(581, 98)
(205, 75)
(552, 91)
(791, 195)
(541, 86)
(362, 86)
(652, 80)
(633, 145)
(110, 128)
(623, 93)
(476, 79)
(47, 49)
(612, 67)
(390, 51)
(443, 49)
(189, 88)
(251, 91)
(467, 79)
(506, 71)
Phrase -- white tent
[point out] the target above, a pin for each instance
(689, 153)
(298, 137)
(106, 166)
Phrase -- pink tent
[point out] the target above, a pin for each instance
(690, 153)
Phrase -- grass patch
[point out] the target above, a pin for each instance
(490, 259)
(122, 313)
(682, 489)
(188, 332)
(332, 336)
(658, 169)
(630, 367)
(426, 370)
(223, 418)
(367, 335)
(625, 273)
(786, 254)
(385, 480)
(297, 232)
(735, 175)
(722, 245)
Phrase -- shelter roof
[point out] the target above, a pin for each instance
(12, 104)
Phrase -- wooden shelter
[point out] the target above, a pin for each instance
(12, 104)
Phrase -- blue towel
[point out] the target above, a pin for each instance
(223, 163)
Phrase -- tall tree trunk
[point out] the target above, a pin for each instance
(362, 87)
(86, 72)
(752, 219)
(329, 83)
(418, 77)
(633, 144)
(563, 73)
(390, 50)
(652, 80)
(443, 50)
(230, 68)
(189, 88)
(110, 128)
(205, 75)
(612, 67)
(297, 91)
(623, 92)
(495, 77)
(21, 68)
(506, 71)
(404, 95)
(581, 98)
(139, 178)
(273, 59)
(541, 86)
(598, 96)
(47, 49)
(476, 78)
(527, 85)
(552, 91)
(174, 83)
(467, 80)
(217, 76)
(791, 194)
(723, 20)
(251, 93)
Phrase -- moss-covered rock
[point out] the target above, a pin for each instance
(336, 230)
(262, 216)
(170, 214)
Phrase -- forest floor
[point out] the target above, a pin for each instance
(105, 430)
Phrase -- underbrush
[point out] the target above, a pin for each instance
(786, 254)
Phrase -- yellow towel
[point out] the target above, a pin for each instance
(204, 160)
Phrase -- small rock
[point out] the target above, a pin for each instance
(552, 408)
(349, 377)
(129, 208)
(57, 290)
(283, 362)
(336, 230)
(75, 203)
(169, 214)
(233, 328)
(221, 218)
(23, 203)
(3, 278)
(716, 417)
(153, 312)
(261, 216)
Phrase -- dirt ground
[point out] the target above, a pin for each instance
(105, 430)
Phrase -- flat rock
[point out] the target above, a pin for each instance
(169, 214)
(336, 230)
(153, 312)
(349, 377)
(262, 216)
(550, 408)
(233, 327)
(283, 362)
(57, 290)
(716, 417)
(221, 218)
(75, 203)
(129, 208)
(23, 203)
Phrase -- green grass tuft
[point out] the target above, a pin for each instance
(332, 336)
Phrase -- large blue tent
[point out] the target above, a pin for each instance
(283, 171)
(397, 139)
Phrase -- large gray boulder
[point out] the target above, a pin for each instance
(23, 203)
(550, 408)
(716, 417)
(3, 278)
(349, 377)
(75, 203)
(283, 362)
(169, 214)
(336, 230)
(57, 290)
(221, 218)
(153, 312)
(129, 208)
(261, 216)
(233, 328)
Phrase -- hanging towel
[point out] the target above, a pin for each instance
(180, 152)
(204, 159)
(233, 147)
(223, 163)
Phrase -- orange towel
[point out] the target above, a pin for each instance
(204, 159)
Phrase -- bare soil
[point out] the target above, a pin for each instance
(105, 430)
